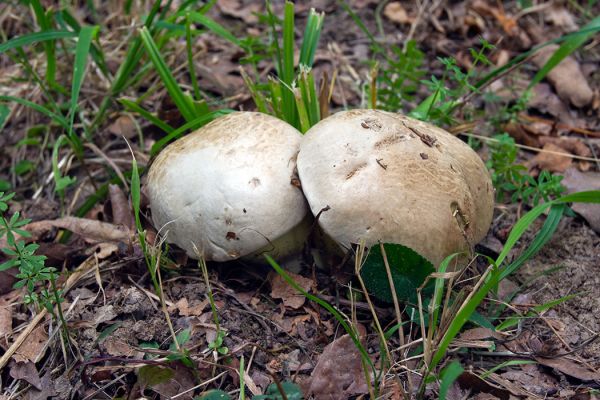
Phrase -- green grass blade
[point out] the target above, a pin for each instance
(36, 37)
(447, 377)
(521, 226)
(310, 41)
(214, 27)
(4, 111)
(134, 107)
(82, 51)
(190, 58)
(287, 74)
(45, 24)
(41, 109)
(183, 102)
(194, 124)
(571, 44)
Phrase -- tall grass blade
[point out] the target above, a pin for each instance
(135, 107)
(190, 58)
(183, 102)
(448, 376)
(36, 37)
(41, 109)
(82, 51)
(214, 27)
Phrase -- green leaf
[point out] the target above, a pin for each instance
(151, 375)
(447, 377)
(291, 390)
(25, 40)
(409, 270)
(4, 185)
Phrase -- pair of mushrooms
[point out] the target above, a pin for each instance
(245, 182)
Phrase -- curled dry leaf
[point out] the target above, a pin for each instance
(567, 78)
(339, 373)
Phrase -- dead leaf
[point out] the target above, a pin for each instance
(280, 289)
(125, 126)
(561, 17)
(104, 314)
(121, 211)
(6, 317)
(567, 78)
(33, 346)
(550, 160)
(569, 367)
(576, 181)
(91, 229)
(236, 9)
(338, 373)
(395, 12)
(27, 372)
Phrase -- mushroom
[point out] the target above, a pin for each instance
(379, 176)
(230, 188)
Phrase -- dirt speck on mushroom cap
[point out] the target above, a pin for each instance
(387, 177)
(227, 187)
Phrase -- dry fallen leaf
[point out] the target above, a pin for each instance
(567, 78)
(339, 373)
(291, 298)
(551, 161)
(576, 181)
(27, 372)
(123, 126)
(33, 346)
(91, 229)
(571, 368)
(121, 211)
(395, 12)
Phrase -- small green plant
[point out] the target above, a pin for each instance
(509, 177)
(33, 271)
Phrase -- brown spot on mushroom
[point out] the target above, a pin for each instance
(231, 236)
(381, 164)
(233, 254)
(254, 182)
(425, 138)
(228, 221)
(424, 156)
(388, 140)
(355, 170)
(371, 123)
(244, 210)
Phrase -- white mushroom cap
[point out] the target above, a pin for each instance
(229, 188)
(386, 177)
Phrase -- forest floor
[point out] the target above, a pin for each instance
(120, 344)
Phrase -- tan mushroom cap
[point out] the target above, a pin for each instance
(229, 188)
(387, 177)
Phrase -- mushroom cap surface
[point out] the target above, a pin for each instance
(390, 178)
(229, 188)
